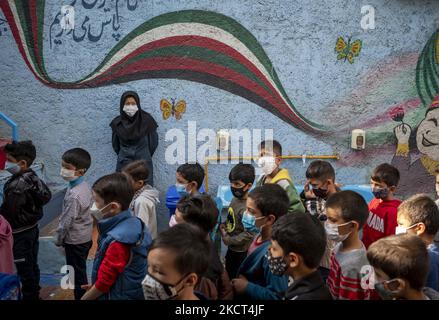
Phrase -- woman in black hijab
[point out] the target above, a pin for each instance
(134, 133)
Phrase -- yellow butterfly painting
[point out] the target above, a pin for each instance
(347, 51)
(172, 109)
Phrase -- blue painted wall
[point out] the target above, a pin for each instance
(298, 36)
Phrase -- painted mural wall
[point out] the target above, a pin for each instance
(308, 70)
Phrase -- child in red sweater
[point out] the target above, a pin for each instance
(383, 208)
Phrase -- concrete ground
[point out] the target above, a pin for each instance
(52, 258)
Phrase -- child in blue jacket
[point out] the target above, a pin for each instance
(265, 204)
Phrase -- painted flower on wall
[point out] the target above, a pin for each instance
(397, 114)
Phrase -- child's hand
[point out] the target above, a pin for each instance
(58, 242)
(223, 230)
(308, 192)
(92, 292)
(86, 287)
(240, 284)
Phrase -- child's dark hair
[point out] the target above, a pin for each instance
(199, 210)
(402, 256)
(351, 205)
(192, 172)
(269, 144)
(421, 208)
(320, 170)
(242, 172)
(386, 173)
(138, 170)
(270, 199)
(22, 150)
(115, 187)
(77, 157)
(302, 234)
(189, 245)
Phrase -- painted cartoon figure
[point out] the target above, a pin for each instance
(418, 175)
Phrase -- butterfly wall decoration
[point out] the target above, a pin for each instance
(348, 50)
(172, 109)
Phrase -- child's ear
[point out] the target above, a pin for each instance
(420, 228)
(278, 160)
(192, 280)
(396, 285)
(392, 189)
(271, 219)
(23, 164)
(294, 260)
(116, 206)
(355, 225)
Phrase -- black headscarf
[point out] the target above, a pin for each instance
(132, 129)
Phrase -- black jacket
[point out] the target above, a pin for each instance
(25, 194)
(310, 287)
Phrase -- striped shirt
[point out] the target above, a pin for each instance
(345, 277)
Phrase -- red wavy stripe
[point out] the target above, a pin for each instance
(203, 42)
(4, 5)
(34, 17)
(181, 63)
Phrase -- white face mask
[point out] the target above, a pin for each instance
(98, 213)
(130, 110)
(267, 164)
(68, 175)
(172, 221)
(333, 233)
(403, 230)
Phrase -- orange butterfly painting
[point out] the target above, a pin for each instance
(172, 109)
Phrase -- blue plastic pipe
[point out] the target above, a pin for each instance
(12, 124)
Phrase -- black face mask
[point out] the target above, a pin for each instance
(320, 193)
(238, 192)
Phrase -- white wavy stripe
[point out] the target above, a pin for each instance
(22, 38)
(189, 29)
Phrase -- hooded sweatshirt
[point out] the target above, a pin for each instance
(144, 205)
(6, 243)
(283, 179)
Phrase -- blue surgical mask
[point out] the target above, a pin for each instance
(249, 222)
(385, 293)
(12, 168)
(181, 189)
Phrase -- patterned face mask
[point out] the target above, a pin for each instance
(380, 193)
(154, 289)
(278, 266)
